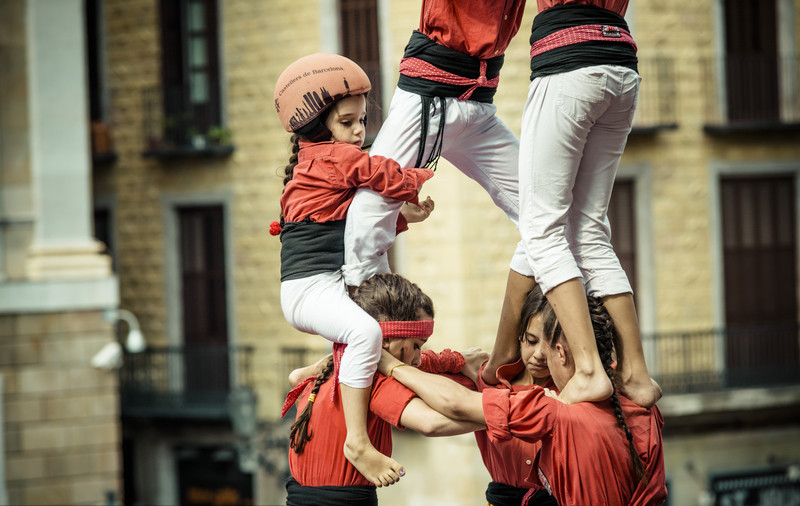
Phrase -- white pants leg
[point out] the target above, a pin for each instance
(475, 140)
(574, 128)
(320, 304)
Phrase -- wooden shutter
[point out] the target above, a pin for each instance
(760, 255)
(622, 215)
(751, 60)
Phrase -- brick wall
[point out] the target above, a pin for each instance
(62, 433)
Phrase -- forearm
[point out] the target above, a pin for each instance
(420, 417)
(443, 395)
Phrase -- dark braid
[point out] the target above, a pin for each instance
(289, 170)
(606, 335)
(300, 433)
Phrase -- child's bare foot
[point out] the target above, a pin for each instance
(376, 467)
(645, 393)
(582, 388)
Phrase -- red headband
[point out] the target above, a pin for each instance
(420, 328)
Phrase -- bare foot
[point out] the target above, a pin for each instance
(644, 393)
(583, 388)
(376, 467)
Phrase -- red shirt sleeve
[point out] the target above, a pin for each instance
(527, 415)
(382, 175)
(445, 361)
(389, 399)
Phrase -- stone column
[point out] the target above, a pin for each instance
(62, 246)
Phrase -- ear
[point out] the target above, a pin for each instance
(385, 344)
(561, 354)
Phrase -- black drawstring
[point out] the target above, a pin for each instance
(436, 150)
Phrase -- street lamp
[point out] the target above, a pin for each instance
(110, 355)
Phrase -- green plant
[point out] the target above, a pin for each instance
(220, 135)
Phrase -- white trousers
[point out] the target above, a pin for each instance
(320, 304)
(574, 129)
(475, 140)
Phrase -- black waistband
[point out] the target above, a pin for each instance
(500, 494)
(583, 54)
(449, 60)
(299, 495)
(310, 248)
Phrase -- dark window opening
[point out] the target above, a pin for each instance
(760, 273)
(622, 216)
(751, 60)
(203, 297)
(185, 114)
(360, 40)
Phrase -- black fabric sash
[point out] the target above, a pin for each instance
(449, 60)
(583, 54)
(310, 248)
(500, 494)
(298, 495)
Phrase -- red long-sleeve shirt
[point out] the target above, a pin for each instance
(328, 173)
(508, 461)
(584, 457)
(482, 29)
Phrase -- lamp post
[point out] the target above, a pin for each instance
(110, 355)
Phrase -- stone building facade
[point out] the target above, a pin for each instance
(183, 192)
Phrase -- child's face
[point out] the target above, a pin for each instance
(406, 349)
(347, 120)
(531, 348)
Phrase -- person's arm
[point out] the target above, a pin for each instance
(440, 393)
(301, 373)
(420, 417)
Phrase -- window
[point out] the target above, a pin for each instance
(190, 73)
(102, 149)
(103, 232)
(360, 42)
(203, 297)
(760, 273)
(621, 214)
(751, 60)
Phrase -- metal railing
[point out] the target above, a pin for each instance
(656, 107)
(713, 360)
(183, 381)
(751, 91)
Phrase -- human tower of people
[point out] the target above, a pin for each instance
(563, 409)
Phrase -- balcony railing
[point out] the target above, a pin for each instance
(714, 360)
(183, 381)
(184, 121)
(751, 92)
(656, 107)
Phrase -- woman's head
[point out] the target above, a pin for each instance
(307, 89)
(393, 298)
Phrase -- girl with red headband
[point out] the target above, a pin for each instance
(575, 124)
(605, 452)
(321, 99)
(320, 475)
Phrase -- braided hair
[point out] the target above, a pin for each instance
(605, 335)
(289, 169)
(385, 297)
(301, 432)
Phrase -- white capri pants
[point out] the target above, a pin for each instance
(574, 129)
(320, 304)
(475, 140)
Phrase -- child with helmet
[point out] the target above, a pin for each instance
(321, 99)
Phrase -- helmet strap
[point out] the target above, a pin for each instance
(315, 131)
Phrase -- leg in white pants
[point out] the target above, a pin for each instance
(574, 128)
(475, 141)
(320, 304)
